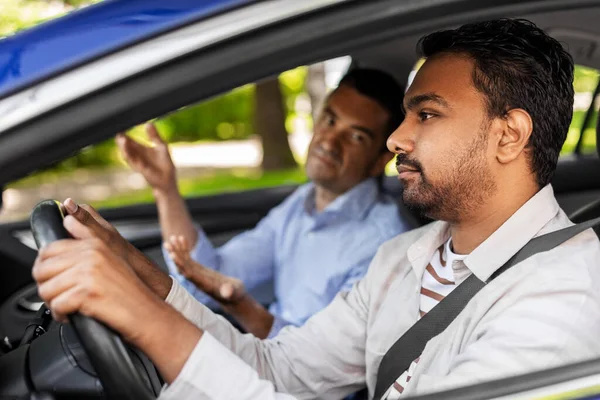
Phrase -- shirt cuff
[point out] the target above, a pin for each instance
(214, 372)
(173, 298)
(181, 300)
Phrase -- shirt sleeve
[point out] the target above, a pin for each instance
(249, 256)
(325, 358)
(214, 372)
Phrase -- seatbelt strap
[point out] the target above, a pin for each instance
(410, 345)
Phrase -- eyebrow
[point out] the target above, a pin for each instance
(362, 129)
(415, 101)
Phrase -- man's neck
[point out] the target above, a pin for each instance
(468, 234)
(324, 197)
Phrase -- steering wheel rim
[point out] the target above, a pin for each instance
(107, 353)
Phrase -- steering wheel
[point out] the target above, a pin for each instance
(105, 348)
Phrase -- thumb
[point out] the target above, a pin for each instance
(97, 217)
(153, 135)
(121, 141)
(80, 222)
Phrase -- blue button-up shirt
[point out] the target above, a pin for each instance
(310, 256)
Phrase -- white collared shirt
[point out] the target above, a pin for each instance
(541, 313)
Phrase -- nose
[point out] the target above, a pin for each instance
(401, 140)
(330, 141)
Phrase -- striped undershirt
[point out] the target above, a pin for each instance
(438, 281)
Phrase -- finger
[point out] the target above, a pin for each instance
(68, 302)
(168, 247)
(83, 221)
(59, 247)
(58, 284)
(132, 151)
(56, 258)
(182, 243)
(79, 230)
(79, 213)
(177, 259)
(175, 243)
(97, 217)
(121, 141)
(153, 135)
(185, 243)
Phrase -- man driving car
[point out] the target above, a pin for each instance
(486, 117)
(301, 245)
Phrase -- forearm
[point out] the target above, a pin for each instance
(168, 326)
(159, 282)
(173, 214)
(294, 354)
(252, 316)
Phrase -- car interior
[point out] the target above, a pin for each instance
(379, 35)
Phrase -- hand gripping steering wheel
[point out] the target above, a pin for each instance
(105, 349)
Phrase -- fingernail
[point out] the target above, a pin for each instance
(71, 206)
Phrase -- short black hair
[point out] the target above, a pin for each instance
(381, 87)
(517, 65)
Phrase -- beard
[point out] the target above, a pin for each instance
(466, 185)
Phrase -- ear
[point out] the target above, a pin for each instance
(381, 162)
(514, 136)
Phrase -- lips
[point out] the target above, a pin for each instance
(325, 158)
(405, 169)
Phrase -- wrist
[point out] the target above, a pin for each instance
(167, 191)
(166, 326)
(159, 282)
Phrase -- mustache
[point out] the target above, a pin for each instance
(322, 152)
(402, 159)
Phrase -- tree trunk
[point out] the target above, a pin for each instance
(269, 120)
(316, 88)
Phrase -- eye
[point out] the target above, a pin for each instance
(424, 116)
(329, 120)
(357, 137)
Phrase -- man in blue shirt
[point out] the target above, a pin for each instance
(320, 240)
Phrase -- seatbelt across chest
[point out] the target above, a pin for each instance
(410, 345)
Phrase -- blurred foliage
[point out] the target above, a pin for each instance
(228, 116)
(225, 117)
(585, 80)
(589, 134)
(16, 15)
(219, 182)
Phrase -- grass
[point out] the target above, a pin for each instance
(219, 182)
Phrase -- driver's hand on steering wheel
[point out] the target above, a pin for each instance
(88, 276)
(92, 225)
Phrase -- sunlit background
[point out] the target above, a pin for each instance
(217, 144)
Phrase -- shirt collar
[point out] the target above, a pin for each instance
(490, 255)
(355, 203)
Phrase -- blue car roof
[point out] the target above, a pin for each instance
(81, 36)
